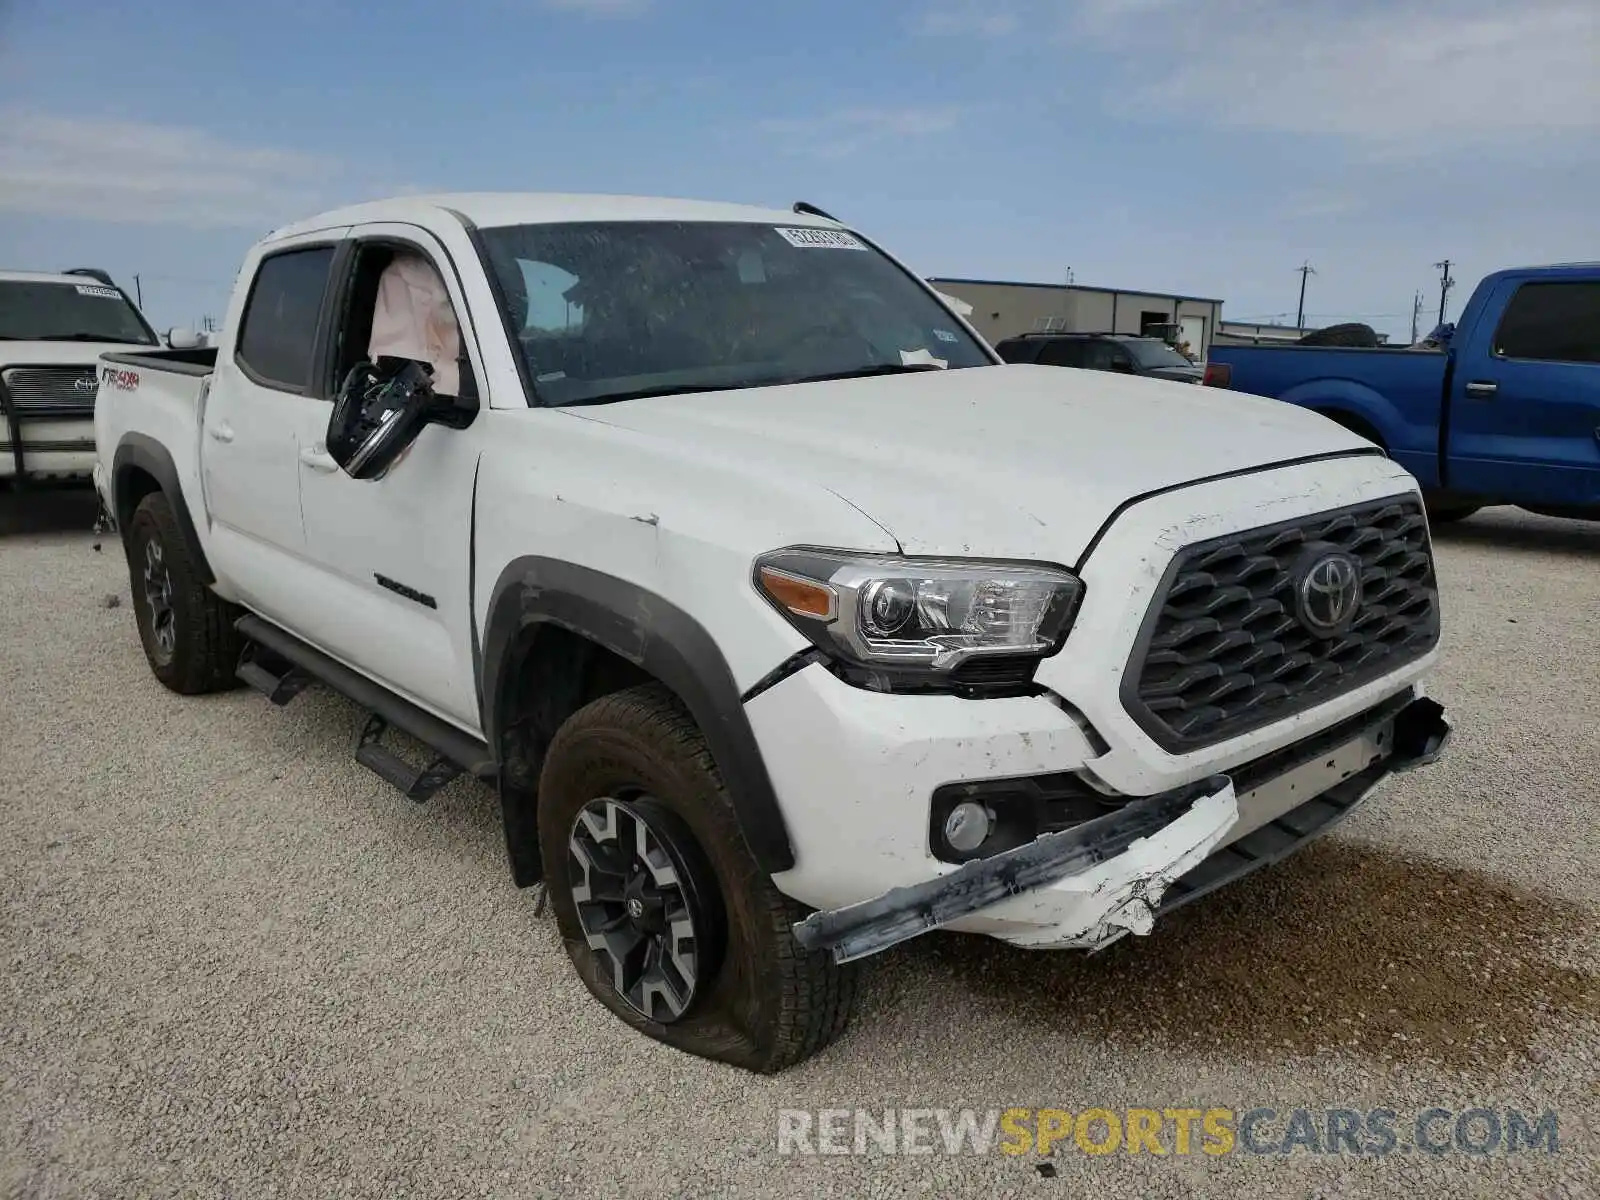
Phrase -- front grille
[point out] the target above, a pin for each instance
(39, 390)
(1224, 650)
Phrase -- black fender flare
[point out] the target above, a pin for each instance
(662, 640)
(141, 452)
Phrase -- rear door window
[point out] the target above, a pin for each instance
(1063, 352)
(1098, 356)
(278, 335)
(1554, 322)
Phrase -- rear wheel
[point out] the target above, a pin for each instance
(668, 919)
(187, 630)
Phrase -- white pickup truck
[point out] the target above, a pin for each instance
(53, 328)
(789, 622)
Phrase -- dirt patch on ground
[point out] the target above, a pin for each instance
(1345, 946)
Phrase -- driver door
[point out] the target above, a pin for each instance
(394, 553)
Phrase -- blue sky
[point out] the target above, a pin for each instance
(1201, 146)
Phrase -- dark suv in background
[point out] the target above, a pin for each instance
(1125, 353)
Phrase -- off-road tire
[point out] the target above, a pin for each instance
(771, 1003)
(205, 653)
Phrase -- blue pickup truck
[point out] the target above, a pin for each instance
(1505, 409)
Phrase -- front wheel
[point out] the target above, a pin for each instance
(186, 628)
(664, 912)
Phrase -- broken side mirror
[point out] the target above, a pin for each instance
(380, 409)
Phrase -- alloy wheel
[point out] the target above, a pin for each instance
(158, 598)
(638, 883)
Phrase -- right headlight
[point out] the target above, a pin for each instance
(920, 623)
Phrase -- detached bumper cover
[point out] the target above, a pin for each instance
(1142, 849)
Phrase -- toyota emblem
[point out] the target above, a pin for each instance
(1328, 595)
(85, 383)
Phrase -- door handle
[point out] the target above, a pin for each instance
(318, 459)
(1482, 389)
(221, 431)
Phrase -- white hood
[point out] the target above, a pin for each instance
(1010, 461)
(63, 354)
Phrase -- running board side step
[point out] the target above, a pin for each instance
(417, 786)
(280, 665)
(274, 676)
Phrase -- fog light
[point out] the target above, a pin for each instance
(967, 826)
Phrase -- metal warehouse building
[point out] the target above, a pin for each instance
(1002, 309)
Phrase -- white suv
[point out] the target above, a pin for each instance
(787, 619)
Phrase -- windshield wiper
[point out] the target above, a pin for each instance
(679, 389)
(645, 393)
(868, 372)
(87, 337)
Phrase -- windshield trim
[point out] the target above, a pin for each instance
(139, 317)
(530, 391)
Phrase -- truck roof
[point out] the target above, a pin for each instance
(490, 209)
(1556, 269)
(42, 277)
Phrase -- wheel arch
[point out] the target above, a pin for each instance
(1356, 424)
(141, 466)
(558, 635)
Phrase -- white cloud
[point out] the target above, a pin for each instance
(970, 21)
(137, 172)
(1396, 76)
(842, 133)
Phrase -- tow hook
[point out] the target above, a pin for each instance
(1421, 733)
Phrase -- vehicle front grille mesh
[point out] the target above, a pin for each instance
(1225, 650)
(36, 390)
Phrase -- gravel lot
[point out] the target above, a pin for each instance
(235, 963)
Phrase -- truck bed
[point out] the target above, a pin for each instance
(1398, 390)
(161, 430)
(185, 362)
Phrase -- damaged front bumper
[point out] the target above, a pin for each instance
(1117, 873)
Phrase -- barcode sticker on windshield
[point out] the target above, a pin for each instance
(819, 239)
(104, 293)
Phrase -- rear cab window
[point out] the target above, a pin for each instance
(278, 333)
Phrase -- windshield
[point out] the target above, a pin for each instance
(1150, 353)
(81, 312)
(613, 310)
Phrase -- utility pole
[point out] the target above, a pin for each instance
(138, 291)
(1445, 284)
(1305, 269)
(1416, 316)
